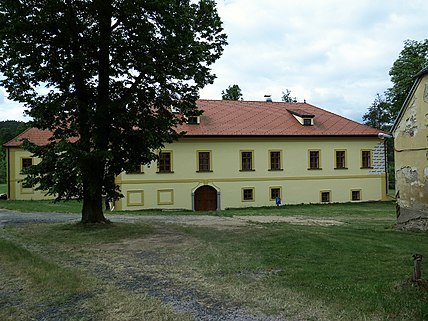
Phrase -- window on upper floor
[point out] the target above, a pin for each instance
(204, 161)
(247, 161)
(165, 162)
(139, 169)
(366, 159)
(26, 162)
(275, 160)
(340, 159)
(314, 159)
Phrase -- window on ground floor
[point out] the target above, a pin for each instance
(274, 193)
(325, 197)
(248, 194)
(356, 195)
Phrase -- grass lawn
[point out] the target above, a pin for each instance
(355, 270)
(42, 206)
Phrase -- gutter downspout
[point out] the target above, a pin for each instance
(384, 137)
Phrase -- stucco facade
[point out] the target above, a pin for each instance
(411, 156)
(295, 181)
(246, 154)
(15, 160)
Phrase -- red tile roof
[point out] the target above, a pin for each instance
(260, 118)
(249, 118)
(34, 135)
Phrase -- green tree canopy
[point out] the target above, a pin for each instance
(378, 114)
(233, 92)
(411, 60)
(8, 130)
(286, 97)
(384, 110)
(113, 70)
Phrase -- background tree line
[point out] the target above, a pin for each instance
(8, 130)
(385, 108)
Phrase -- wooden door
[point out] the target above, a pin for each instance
(206, 199)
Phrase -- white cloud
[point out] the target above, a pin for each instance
(10, 110)
(335, 54)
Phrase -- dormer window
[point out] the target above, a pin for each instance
(303, 117)
(307, 121)
(193, 120)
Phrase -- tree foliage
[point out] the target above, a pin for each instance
(411, 60)
(286, 97)
(384, 110)
(378, 114)
(233, 92)
(112, 70)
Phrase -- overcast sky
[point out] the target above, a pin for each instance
(335, 54)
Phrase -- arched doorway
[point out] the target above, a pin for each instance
(206, 198)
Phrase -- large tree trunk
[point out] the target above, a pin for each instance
(94, 167)
(92, 210)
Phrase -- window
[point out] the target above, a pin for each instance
(356, 195)
(275, 161)
(26, 162)
(248, 194)
(139, 169)
(204, 161)
(165, 162)
(274, 193)
(314, 159)
(340, 159)
(326, 197)
(366, 159)
(307, 122)
(246, 161)
(26, 188)
(193, 120)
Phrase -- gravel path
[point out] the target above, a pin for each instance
(12, 217)
(183, 298)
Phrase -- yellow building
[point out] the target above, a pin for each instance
(248, 153)
(411, 155)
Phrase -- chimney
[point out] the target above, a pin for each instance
(268, 98)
